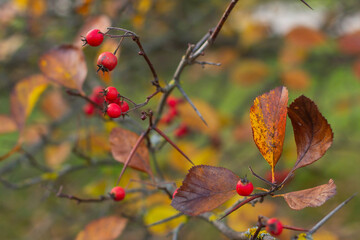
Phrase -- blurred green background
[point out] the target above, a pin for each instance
(264, 44)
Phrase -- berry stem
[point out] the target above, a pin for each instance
(295, 228)
(262, 179)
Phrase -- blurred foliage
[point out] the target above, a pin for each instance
(263, 45)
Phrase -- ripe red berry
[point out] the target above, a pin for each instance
(113, 110)
(124, 106)
(118, 193)
(89, 109)
(94, 38)
(244, 187)
(274, 226)
(175, 193)
(181, 131)
(107, 61)
(111, 94)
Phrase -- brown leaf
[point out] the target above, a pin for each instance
(107, 228)
(101, 22)
(24, 97)
(65, 65)
(305, 37)
(122, 141)
(7, 124)
(204, 189)
(312, 197)
(313, 134)
(268, 122)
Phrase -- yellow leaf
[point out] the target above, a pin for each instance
(49, 176)
(207, 155)
(158, 213)
(24, 96)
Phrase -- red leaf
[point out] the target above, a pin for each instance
(204, 189)
(121, 142)
(313, 134)
(65, 65)
(312, 197)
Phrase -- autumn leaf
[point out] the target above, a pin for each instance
(65, 65)
(350, 43)
(249, 72)
(107, 228)
(313, 134)
(54, 105)
(268, 122)
(204, 189)
(24, 97)
(121, 142)
(305, 37)
(296, 79)
(312, 197)
(7, 124)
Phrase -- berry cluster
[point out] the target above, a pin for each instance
(107, 61)
(115, 107)
(169, 117)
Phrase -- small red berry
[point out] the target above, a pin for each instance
(175, 193)
(94, 38)
(181, 131)
(89, 109)
(244, 187)
(172, 101)
(98, 91)
(167, 119)
(124, 106)
(111, 94)
(274, 226)
(107, 61)
(173, 112)
(113, 110)
(118, 193)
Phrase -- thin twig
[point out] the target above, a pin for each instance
(165, 220)
(329, 215)
(262, 179)
(81, 200)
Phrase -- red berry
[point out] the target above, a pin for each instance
(124, 106)
(98, 91)
(94, 38)
(113, 110)
(111, 94)
(106, 61)
(118, 193)
(274, 226)
(181, 131)
(175, 193)
(167, 119)
(172, 101)
(173, 112)
(89, 109)
(244, 187)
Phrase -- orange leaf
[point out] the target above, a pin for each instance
(312, 197)
(24, 96)
(65, 65)
(122, 141)
(107, 228)
(7, 124)
(313, 134)
(204, 189)
(305, 37)
(249, 72)
(268, 122)
(296, 79)
(54, 105)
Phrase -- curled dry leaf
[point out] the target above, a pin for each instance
(268, 122)
(312, 197)
(313, 134)
(107, 228)
(121, 142)
(24, 97)
(65, 65)
(204, 189)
